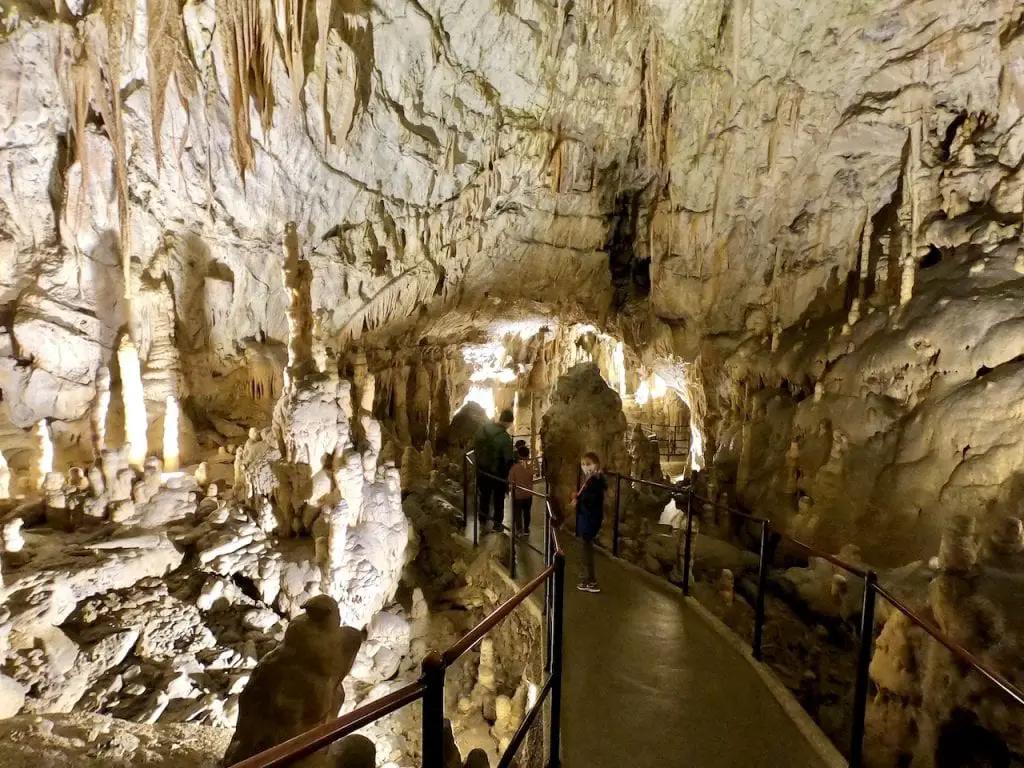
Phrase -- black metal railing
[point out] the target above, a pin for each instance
(768, 541)
(470, 472)
(673, 439)
(429, 688)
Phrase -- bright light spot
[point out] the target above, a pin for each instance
(172, 457)
(45, 450)
(643, 394)
(488, 363)
(524, 329)
(672, 515)
(658, 387)
(531, 696)
(135, 424)
(696, 447)
(482, 396)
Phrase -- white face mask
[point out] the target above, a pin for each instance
(588, 469)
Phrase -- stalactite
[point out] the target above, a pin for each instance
(247, 37)
(166, 57)
(104, 64)
(293, 13)
(909, 265)
(80, 77)
(864, 259)
(323, 27)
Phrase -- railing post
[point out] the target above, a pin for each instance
(476, 508)
(558, 617)
(860, 691)
(547, 561)
(433, 711)
(688, 543)
(762, 583)
(512, 535)
(465, 492)
(615, 529)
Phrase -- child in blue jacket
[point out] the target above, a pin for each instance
(589, 516)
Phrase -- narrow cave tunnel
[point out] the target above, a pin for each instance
(290, 290)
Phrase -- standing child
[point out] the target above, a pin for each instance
(520, 477)
(589, 516)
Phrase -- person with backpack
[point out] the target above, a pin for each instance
(492, 452)
(589, 517)
(520, 478)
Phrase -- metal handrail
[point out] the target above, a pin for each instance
(430, 686)
(867, 621)
(315, 739)
(951, 645)
(479, 632)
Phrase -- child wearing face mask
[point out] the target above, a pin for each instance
(589, 516)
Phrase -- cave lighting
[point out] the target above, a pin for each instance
(135, 425)
(482, 396)
(696, 448)
(524, 329)
(172, 456)
(45, 450)
(642, 394)
(658, 387)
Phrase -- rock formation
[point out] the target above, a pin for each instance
(585, 414)
(297, 685)
(278, 238)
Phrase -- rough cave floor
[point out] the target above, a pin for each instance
(647, 680)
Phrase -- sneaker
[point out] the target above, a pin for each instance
(592, 587)
(583, 587)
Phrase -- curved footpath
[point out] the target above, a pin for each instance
(650, 682)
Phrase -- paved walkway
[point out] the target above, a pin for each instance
(649, 684)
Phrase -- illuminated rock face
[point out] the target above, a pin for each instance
(812, 235)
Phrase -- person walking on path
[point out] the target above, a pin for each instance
(589, 516)
(520, 477)
(492, 450)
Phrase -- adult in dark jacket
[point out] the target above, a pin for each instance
(492, 451)
(589, 516)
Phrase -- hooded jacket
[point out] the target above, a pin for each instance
(492, 449)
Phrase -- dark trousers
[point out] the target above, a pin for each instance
(491, 500)
(521, 513)
(587, 573)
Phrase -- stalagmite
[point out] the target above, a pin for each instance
(297, 277)
(5, 478)
(132, 395)
(100, 407)
(45, 462)
(171, 451)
